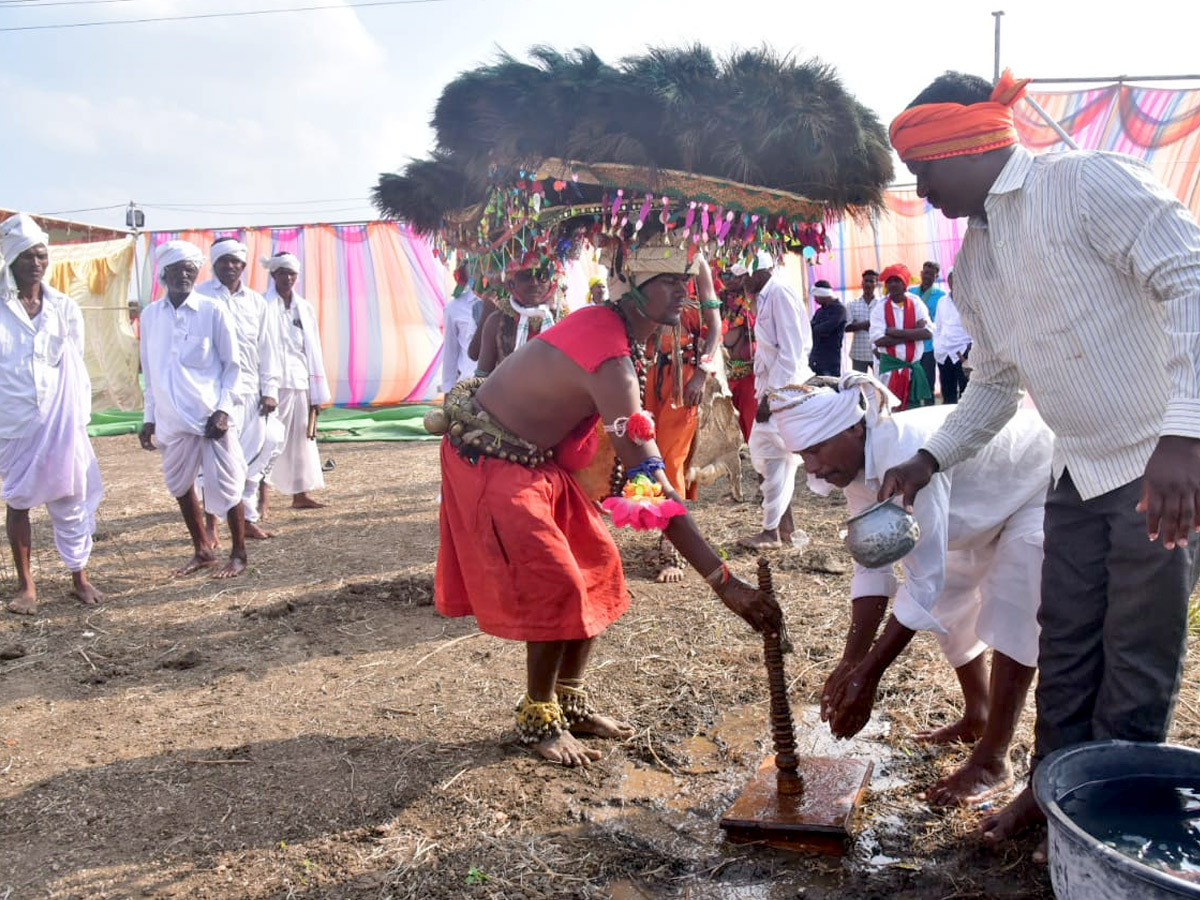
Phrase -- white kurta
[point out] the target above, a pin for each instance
(458, 328)
(974, 578)
(45, 394)
(190, 369)
(783, 336)
(297, 468)
(260, 374)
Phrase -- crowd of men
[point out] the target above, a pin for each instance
(1058, 538)
(233, 383)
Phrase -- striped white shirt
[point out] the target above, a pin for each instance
(861, 348)
(1083, 285)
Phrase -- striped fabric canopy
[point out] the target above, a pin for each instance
(1159, 126)
(378, 292)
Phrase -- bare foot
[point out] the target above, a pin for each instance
(1020, 815)
(978, 780)
(232, 569)
(87, 594)
(254, 530)
(964, 731)
(603, 726)
(213, 533)
(567, 749)
(24, 604)
(764, 540)
(202, 560)
(669, 575)
(303, 501)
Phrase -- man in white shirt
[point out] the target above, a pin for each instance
(304, 388)
(972, 579)
(190, 369)
(951, 344)
(259, 364)
(46, 398)
(862, 352)
(458, 327)
(899, 329)
(783, 339)
(1113, 371)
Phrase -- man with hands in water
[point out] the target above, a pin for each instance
(190, 367)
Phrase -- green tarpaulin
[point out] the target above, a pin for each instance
(392, 423)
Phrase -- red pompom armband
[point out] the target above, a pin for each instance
(639, 427)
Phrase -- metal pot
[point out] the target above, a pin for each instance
(881, 534)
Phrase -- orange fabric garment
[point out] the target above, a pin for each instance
(525, 552)
(942, 130)
(676, 424)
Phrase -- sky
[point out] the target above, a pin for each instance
(289, 118)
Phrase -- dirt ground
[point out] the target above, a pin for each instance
(316, 730)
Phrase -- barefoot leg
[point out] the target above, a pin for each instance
(1019, 816)
(764, 540)
(212, 530)
(237, 533)
(20, 539)
(988, 772)
(570, 682)
(543, 661)
(262, 500)
(193, 517)
(787, 527)
(973, 679)
(257, 532)
(84, 590)
(303, 501)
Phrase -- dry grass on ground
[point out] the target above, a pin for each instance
(316, 730)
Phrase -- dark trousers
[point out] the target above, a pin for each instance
(861, 365)
(1114, 621)
(929, 364)
(954, 380)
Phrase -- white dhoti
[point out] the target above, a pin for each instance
(777, 465)
(218, 463)
(53, 464)
(992, 593)
(297, 469)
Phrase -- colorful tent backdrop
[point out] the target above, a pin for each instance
(1159, 126)
(96, 276)
(378, 292)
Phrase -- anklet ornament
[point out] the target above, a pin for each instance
(576, 707)
(538, 720)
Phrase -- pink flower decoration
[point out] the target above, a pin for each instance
(642, 515)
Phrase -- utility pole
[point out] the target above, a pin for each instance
(136, 220)
(996, 68)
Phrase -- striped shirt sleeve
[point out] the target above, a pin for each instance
(1140, 228)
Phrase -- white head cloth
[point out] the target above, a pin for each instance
(229, 247)
(824, 293)
(281, 261)
(810, 413)
(171, 252)
(524, 314)
(17, 234)
(738, 270)
(763, 260)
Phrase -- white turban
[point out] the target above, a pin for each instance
(280, 261)
(810, 413)
(763, 260)
(17, 234)
(171, 252)
(824, 293)
(229, 247)
(738, 270)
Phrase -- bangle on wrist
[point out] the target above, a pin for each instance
(718, 577)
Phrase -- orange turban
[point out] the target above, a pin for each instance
(898, 270)
(941, 130)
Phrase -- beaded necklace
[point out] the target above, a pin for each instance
(637, 356)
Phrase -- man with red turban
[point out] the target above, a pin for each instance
(1115, 373)
(899, 327)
